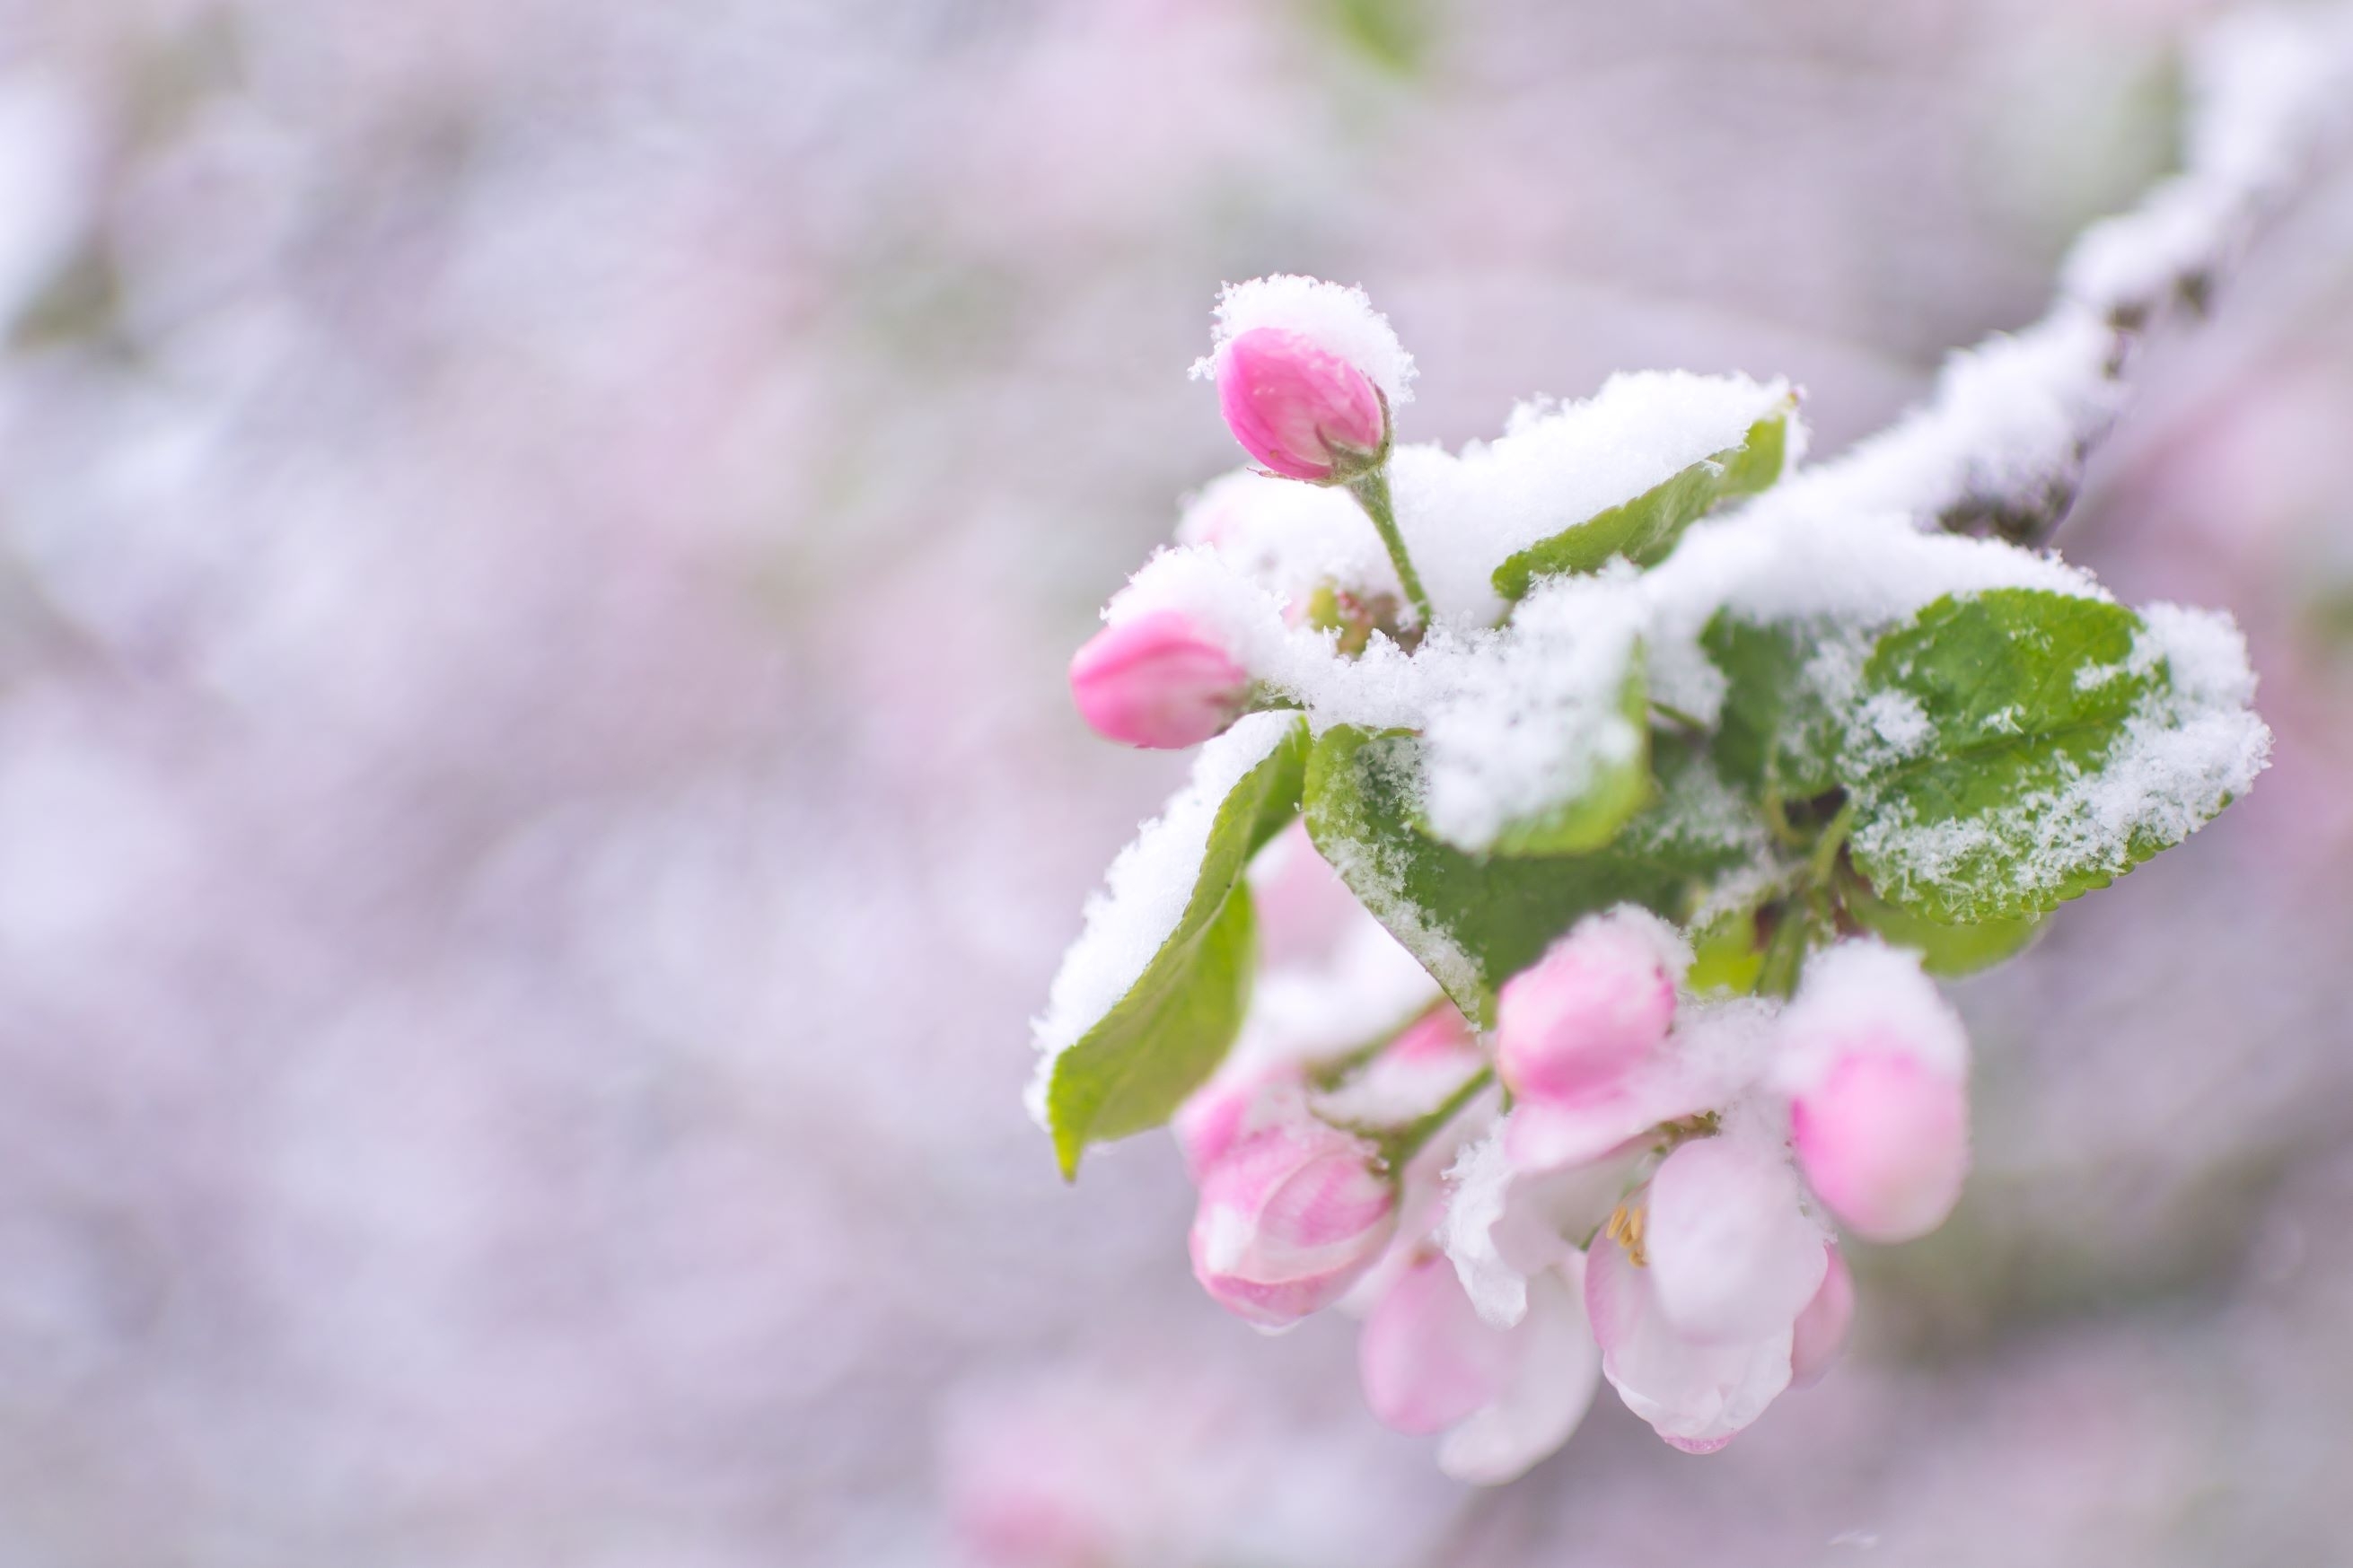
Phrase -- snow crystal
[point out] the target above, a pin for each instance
(1554, 466)
(1890, 726)
(2189, 748)
(1534, 710)
(1336, 317)
(1144, 894)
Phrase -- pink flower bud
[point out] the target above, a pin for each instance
(1821, 1329)
(1304, 412)
(1158, 680)
(1237, 1103)
(1599, 1002)
(1290, 1216)
(1732, 1253)
(1884, 1139)
(1426, 1359)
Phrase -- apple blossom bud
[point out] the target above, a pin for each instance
(1291, 1215)
(1158, 680)
(1303, 411)
(1884, 1138)
(1601, 999)
(1235, 1104)
(1820, 1334)
(1426, 1359)
(1731, 1250)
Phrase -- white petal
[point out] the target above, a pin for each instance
(1549, 1394)
(1732, 1252)
(1697, 1396)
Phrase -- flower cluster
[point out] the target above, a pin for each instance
(1539, 963)
(1655, 1207)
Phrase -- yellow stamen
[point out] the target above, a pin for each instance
(1625, 1229)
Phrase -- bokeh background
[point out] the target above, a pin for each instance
(538, 544)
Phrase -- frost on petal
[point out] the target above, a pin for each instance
(1863, 994)
(1550, 1389)
(1733, 1254)
(1480, 1179)
(1335, 317)
(1717, 1050)
(1697, 1396)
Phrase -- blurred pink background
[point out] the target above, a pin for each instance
(538, 546)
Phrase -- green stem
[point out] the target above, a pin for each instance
(1826, 849)
(1371, 490)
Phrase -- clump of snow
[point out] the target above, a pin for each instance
(1144, 894)
(1557, 465)
(1863, 994)
(2134, 261)
(1781, 559)
(2008, 422)
(2191, 746)
(1533, 713)
(1289, 537)
(2267, 84)
(1334, 316)
(1889, 727)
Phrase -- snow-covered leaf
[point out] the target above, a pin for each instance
(1645, 529)
(1782, 721)
(1473, 922)
(1131, 1067)
(2015, 749)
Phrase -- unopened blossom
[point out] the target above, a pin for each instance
(1505, 1397)
(1601, 999)
(1158, 680)
(1875, 1066)
(1697, 1395)
(1695, 1288)
(1291, 1215)
(1301, 409)
(1820, 1334)
(1885, 1142)
(1731, 1250)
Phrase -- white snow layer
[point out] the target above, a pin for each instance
(1555, 466)
(1335, 317)
(1144, 894)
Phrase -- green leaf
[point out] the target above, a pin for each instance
(1645, 529)
(1780, 730)
(1160, 1041)
(1473, 921)
(1615, 788)
(1978, 726)
(1945, 949)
